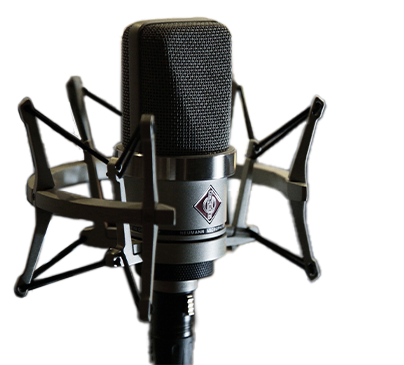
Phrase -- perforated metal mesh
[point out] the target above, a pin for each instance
(185, 81)
(125, 87)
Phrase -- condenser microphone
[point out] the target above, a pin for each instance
(179, 71)
(169, 217)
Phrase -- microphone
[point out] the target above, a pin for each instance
(179, 71)
(170, 218)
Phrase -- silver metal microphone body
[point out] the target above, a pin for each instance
(197, 187)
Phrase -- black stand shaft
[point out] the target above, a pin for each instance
(171, 328)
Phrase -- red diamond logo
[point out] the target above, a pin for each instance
(208, 204)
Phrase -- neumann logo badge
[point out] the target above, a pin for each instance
(208, 204)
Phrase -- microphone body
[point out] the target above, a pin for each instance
(179, 70)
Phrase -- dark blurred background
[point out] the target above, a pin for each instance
(257, 308)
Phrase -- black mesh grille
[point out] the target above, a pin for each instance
(185, 81)
(125, 86)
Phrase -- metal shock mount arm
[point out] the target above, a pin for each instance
(291, 183)
(111, 217)
(43, 181)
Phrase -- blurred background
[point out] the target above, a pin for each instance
(257, 308)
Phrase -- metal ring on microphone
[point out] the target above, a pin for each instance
(186, 168)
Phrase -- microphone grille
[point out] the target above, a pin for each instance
(125, 93)
(185, 80)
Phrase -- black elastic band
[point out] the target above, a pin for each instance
(100, 99)
(269, 141)
(59, 256)
(283, 251)
(130, 279)
(127, 155)
(64, 275)
(66, 135)
(246, 115)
